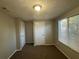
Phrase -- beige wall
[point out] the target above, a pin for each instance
(7, 36)
(49, 27)
(29, 31)
(43, 33)
(73, 12)
(70, 53)
(12, 35)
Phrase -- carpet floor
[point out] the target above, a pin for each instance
(38, 52)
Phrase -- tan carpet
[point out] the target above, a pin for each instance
(39, 52)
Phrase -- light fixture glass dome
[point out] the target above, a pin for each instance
(37, 7)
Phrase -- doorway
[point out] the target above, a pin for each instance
(29, 32)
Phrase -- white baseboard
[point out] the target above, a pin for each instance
(62, 52)
(44, 45)
(15, 51)
(12, 54)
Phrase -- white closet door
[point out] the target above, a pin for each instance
(39, 33)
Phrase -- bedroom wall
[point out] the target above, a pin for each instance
(7, 36)
(12, 35)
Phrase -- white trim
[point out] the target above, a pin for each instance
(18, 49)
(49, 44)
(62, 51)
(44, 45)
(12, 54)
(15, 52)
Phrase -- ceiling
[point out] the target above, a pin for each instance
(24, 8)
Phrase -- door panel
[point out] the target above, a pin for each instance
(43, 33)
(39, 33)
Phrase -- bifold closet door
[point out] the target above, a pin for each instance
(43, 33)
(39, 33)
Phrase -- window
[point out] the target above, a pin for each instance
(69, 32)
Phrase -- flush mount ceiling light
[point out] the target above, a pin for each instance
(37, 7)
